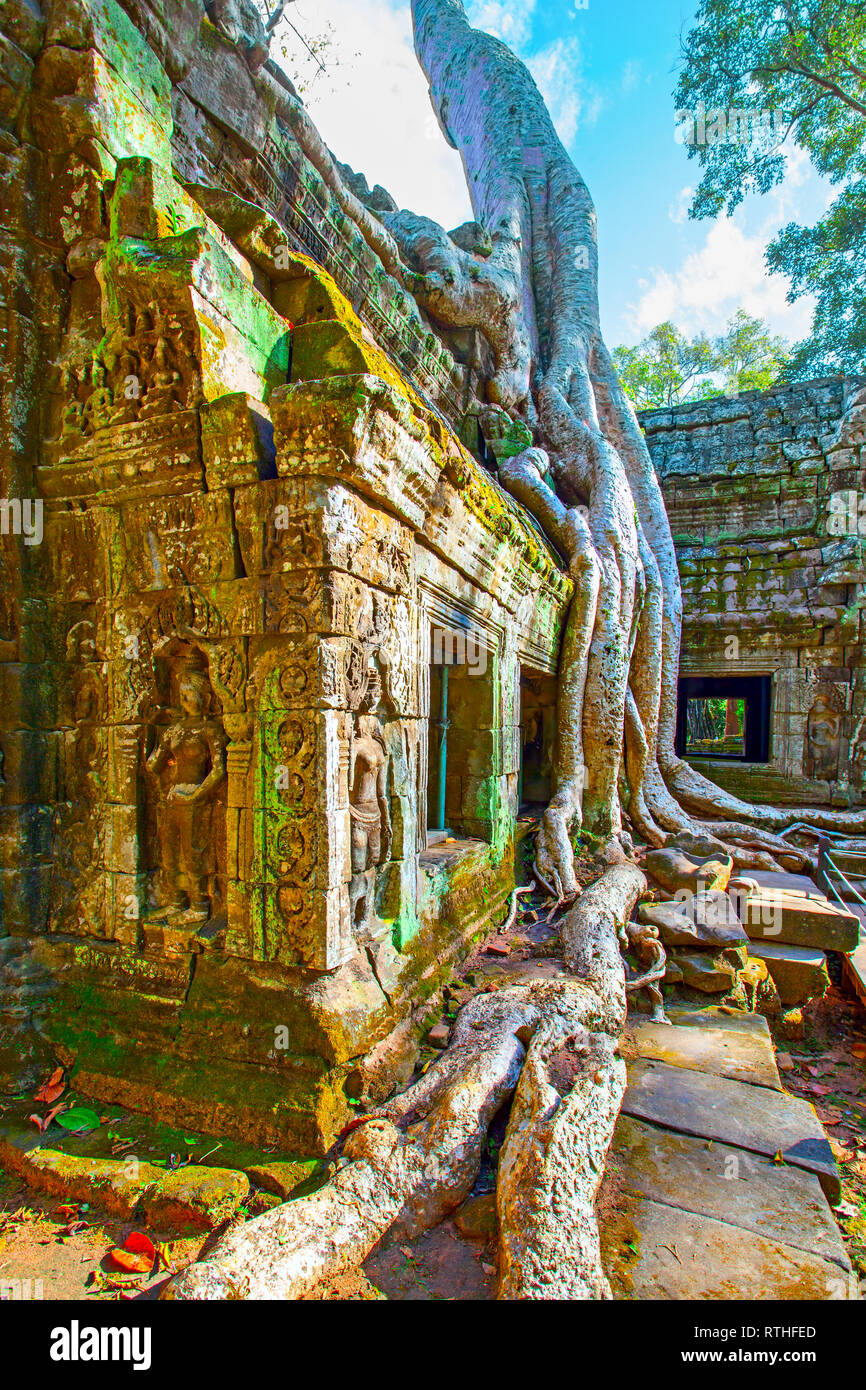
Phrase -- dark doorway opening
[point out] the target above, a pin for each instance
(724, 717)
(537, 738)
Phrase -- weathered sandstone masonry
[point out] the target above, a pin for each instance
(766, 496)
(217, 898)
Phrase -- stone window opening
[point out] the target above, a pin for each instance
(464, 741)
(726, 717)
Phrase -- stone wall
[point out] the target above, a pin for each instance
(762, 494)
(215, 658)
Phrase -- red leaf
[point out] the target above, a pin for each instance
(43, 1121)
(49, 1093)
(137, 1255)
(53, 1088)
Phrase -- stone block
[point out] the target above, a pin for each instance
(703, 918)
(675, 869)
(196, 1196)
(709, 974)
(715, 1260)
(741, 1056)
(724, 1183)
(798, 972)
(116, 1185)
(798, 919)
(282, 1178)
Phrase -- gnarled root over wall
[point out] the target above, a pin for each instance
(552, 1045)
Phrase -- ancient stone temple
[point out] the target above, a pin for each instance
(764, 497)
(265, 612)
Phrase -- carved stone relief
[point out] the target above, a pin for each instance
(186, 771)
(824, 730)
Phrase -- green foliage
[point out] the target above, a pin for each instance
(803, 62)
(667, 368)
(829, 262)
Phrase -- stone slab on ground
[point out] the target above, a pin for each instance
(799, 918)
(749, 1117)
(741, 1056)
(746, 1190)
(681, 1255)
(778, 878)
(719, 1016)
(798, 972)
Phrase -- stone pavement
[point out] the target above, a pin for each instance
(717, 1182)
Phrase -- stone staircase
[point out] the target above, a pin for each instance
(718, 1182)
(791, 925)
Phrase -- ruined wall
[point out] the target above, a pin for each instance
(254, 508)
(763, 493)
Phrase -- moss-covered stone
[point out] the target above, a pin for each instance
(196, 1196)
(117, 1185)
(282, 1178)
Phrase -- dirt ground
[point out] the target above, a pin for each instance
(53, 1249)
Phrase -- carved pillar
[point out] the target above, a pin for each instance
(240, 921)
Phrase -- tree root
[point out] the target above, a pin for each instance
(416, 1159)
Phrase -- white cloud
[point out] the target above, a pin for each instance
(679, 211)
(373, 108)
(729, 270)
(727, 273)
(631, 75)
(509, 20)
(558, 71)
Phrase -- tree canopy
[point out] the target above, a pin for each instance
(759, 78)
(667, 368)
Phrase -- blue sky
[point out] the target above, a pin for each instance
(608, 71)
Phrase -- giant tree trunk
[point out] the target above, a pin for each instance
(554, 374)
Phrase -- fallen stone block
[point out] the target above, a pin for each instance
(799, 972)
(784, 1128)
(118, 1185)
(696, 919)
(196, 1196)
(728, 1184)
(706, 973)
(282, 1178)
(684, 1256)
(719, 1016)
(746, 1056)
(675, 869)
(711, 972)
(783, 915)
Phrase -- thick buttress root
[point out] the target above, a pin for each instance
(417, 1158)
(589, 481)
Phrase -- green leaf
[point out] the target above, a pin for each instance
(79, 1119)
